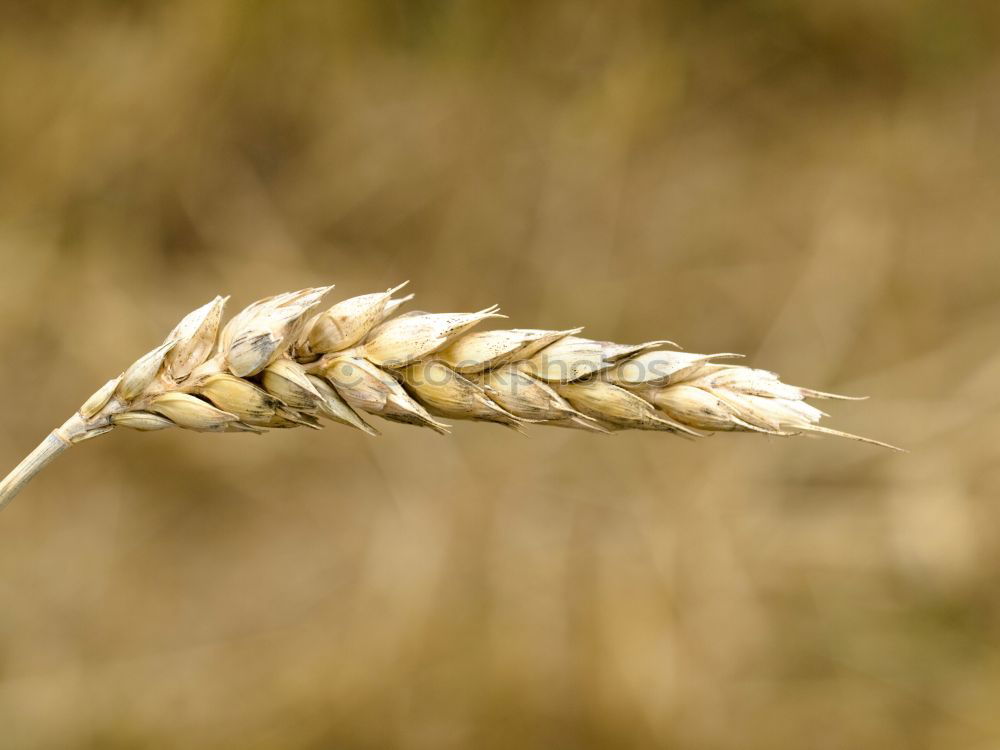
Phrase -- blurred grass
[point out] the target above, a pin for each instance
(815, 184)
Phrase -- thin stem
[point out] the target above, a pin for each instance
(57, 441)
(35, 461)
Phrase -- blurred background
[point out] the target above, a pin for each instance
(813, 183)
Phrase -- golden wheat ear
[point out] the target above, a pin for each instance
(282, 363)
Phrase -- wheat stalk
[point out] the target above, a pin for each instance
(280, 364)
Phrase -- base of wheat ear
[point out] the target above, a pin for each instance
(280, 363)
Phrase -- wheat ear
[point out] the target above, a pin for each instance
(279, 363)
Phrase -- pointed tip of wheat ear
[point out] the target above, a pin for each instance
(811, 393)
(818, 429)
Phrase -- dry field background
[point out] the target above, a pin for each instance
(814, 183)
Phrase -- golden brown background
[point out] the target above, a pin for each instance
(814, 183)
